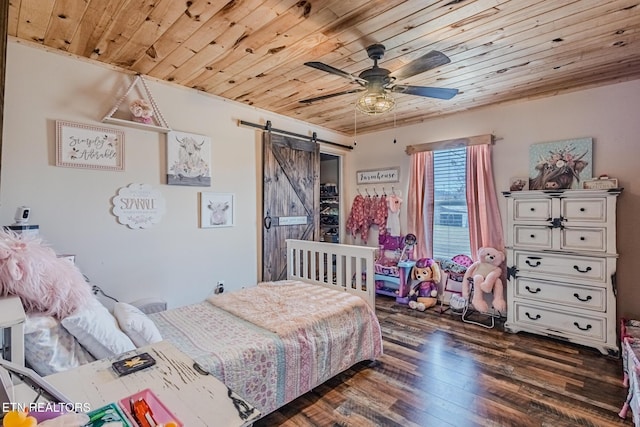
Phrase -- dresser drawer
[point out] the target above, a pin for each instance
(531, 209)
(533, 236)
(584, 209)
(587, 298)
(584, 239)
(562, 322)
(558, 266)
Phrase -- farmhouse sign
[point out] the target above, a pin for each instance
(374, 176)
(138, 206)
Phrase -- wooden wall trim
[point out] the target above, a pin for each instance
(450, 144)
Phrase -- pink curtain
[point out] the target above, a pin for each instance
(485, 223)
(420, 203)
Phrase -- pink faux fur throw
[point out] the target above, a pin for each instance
(45, 283)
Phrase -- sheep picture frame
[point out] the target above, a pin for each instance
(216, 210)
(188, 159)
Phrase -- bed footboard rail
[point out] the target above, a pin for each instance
(349, 268)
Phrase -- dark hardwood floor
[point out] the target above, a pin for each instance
(439, 371)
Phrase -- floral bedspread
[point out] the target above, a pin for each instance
(274, 342)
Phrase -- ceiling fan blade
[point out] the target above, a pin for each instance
(330, 95)
(430, 92)
(426, 62)
(329, 69)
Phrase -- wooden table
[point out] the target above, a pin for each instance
(195, 399)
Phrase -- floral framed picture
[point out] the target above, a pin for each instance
(89, 147)
(561, 164)
(188, 159)
(216, 210)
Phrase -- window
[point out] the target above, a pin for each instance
(450, 216)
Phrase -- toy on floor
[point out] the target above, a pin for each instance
(486, 275)
(424, 294)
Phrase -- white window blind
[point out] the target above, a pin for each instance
(450, 216)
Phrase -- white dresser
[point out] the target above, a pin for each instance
(561, 265)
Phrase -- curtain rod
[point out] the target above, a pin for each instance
(267, 127)
(451, 143)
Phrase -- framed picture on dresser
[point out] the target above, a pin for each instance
(560, 164)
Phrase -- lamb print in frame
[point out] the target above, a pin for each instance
(188, 159)
(90, 147)
(216, 210)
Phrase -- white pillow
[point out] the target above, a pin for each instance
(136, 324)
(97, 331)
(49, 348)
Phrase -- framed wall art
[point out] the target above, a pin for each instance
(138, 206)
(560, 164)
(90, 147)
(216, 210)
(188, 159)
(376, 176)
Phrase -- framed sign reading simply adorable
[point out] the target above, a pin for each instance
(90, 147)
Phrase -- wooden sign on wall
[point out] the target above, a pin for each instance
(375, 176)
(90, 147)
(138, 206)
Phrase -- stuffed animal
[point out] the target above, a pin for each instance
(424, 294)
(45, 283)
(485, 274)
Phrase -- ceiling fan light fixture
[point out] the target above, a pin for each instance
(373, 103)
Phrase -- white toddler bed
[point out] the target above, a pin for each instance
(269, 343)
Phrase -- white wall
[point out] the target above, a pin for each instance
(608, 114)
(174, 259)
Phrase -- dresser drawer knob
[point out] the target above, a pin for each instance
(533, 236)
(532, 291)
(579, 298)
(536, 317)
(582, 209)
(586, 270)
(583, 238)
(577, 325)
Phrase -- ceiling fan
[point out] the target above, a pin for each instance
(378, 82)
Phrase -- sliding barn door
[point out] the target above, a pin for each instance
(291, 200)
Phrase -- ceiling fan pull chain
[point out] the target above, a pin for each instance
(355, 126)
(394, 127)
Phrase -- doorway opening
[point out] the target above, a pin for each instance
(330, 201)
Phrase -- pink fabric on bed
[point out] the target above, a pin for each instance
(294, 306)
(311, 321)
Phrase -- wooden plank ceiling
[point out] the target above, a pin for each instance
(253, 51)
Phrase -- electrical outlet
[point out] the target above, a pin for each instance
(219, 287)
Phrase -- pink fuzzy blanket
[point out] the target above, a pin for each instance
(45, 283)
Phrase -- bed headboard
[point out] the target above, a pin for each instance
(337, 266)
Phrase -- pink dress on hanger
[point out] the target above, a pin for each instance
(379, 214)
(356, 219)
(393, 218)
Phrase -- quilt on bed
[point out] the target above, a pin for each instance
(276, 341)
